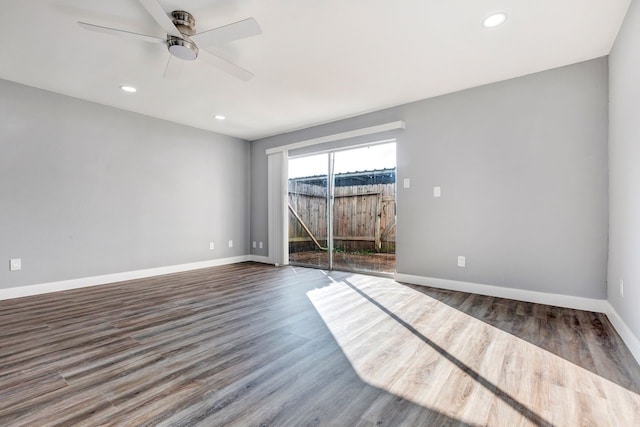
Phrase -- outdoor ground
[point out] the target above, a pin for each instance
(382, 263)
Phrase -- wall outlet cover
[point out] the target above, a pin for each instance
(15, 264)
(230, 243)
(462, 261)
(212, 246)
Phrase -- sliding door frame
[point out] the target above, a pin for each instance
(330, 198)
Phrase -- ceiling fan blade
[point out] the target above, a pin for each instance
(161, 17)
(228, 33)
(122, 33)
(173, 69)
(226, 66)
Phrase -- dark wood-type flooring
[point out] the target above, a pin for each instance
(250, 344)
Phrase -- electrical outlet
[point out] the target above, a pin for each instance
(621, 288)
(15, 264)
(230, 243)
(254, 244)
(260, 244)
(462, 261)
(436, 191)
(212, 245)
(406, 183)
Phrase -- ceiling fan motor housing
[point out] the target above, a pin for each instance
(184, 21)
(183, 48)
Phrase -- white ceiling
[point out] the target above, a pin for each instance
(316, 61)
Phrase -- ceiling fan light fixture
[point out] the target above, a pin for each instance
(180, 27)
(182, 48)
(128, 89)
(494, 20)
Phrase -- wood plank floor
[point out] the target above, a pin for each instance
(250, 344)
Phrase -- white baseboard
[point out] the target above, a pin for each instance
(579, 303)
(63, 285)
(260, 258)
(629, 338)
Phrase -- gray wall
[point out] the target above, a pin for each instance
(624, 171)
(87, 189)
(523, 170)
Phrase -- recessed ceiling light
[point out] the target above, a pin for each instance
(219, 117)
(129, 89)
(494, 20)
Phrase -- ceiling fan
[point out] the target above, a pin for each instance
(183, 41)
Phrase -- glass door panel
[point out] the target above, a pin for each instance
(308, 212)
(364, 209)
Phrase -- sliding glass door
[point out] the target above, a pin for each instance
(342, 209)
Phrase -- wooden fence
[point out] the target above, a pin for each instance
(364, 217)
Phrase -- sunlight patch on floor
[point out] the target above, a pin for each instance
(458, 365)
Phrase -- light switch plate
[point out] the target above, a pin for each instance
(406, 183)
(436, 191)
(462, 261)
(230, 243)
(212, 245)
